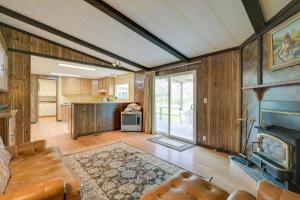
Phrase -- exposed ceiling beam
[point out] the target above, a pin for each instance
(113, 13)
(255, 14)
(64, 35)
(55, 43)
(289, 10)
(192, 60)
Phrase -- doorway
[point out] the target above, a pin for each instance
(45, 108)
(175, 111)
(47, 98)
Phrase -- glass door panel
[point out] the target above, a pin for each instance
(182, 106)
(162, 105)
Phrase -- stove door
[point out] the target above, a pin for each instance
(274, 149)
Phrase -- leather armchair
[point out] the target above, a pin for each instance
(38, 173)
(185, 186)
(52, 189)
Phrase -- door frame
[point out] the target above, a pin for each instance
(194, 73)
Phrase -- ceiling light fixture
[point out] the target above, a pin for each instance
(116, 63)
(60, 74)
(76, 67)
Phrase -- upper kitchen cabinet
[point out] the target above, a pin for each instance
(3, 66)
(70, 86)
(107, 85)
(95, 87)
(85, 86)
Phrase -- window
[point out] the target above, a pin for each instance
(122, 91)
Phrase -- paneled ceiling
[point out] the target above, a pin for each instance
(192, 27)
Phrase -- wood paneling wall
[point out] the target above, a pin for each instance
(18, 95)
(218, 80)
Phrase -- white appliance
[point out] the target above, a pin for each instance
(131, 121)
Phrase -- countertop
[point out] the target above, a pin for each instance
(99, 102)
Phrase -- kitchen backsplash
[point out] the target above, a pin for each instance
(79, 98)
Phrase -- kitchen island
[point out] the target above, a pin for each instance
(93, 118)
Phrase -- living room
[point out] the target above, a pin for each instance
(161, 99)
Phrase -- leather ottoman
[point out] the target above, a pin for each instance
(185, 186)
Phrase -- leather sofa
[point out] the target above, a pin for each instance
(186, 186)
(38, 173)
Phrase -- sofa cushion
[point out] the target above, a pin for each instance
(1, 143)
(4, 176)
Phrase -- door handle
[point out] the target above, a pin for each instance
(193, 107)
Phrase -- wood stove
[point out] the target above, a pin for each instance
(277, 149)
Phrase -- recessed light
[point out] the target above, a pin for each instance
(76, 67)
(60, 74)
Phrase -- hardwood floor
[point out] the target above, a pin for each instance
(48, 127)
(198, 160)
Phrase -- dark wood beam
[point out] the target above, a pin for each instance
(289, 10)
(113, 13)
(68, 60)
(194, 59)
(255, 14)
(64, 35)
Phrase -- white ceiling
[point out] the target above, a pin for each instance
(271, 7)
(193, 27)
(60, 40)
(45, 66)
(80, 19)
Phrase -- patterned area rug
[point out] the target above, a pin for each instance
(118, 171)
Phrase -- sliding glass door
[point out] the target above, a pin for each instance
(175, 105)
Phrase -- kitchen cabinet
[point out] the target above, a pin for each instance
(95, 87)
(107, 84)
(70, 86)
(85, 86)
(91, 118)
(65, 112)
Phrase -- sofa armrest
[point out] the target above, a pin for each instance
(27, 148)
(241, 195)
(52, 189)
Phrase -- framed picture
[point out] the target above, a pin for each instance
(284, 44)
